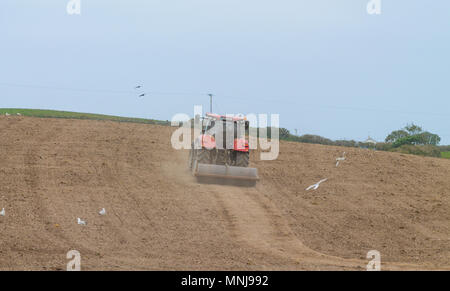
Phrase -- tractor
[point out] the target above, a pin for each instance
(222, 150)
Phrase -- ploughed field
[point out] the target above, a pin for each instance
(158, 217)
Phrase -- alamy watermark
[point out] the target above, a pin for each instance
(374, 7)
(257, 134)
(75, 260)
(73, 7)
(375, 261)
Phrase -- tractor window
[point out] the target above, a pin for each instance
(240, 129)
(210, 125)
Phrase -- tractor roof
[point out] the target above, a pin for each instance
(226, 118)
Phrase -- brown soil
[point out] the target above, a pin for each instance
(158, 218)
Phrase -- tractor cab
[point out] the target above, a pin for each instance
(236, 127)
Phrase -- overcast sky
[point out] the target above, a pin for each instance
(326, 66)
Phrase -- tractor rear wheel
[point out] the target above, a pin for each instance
(242, 159)
(191, 159)
(221, 157)
(203, 156)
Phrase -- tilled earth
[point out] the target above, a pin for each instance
(53, 171)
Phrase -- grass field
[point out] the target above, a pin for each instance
(445, 155)
(75, 115)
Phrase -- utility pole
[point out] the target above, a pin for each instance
(210, 103)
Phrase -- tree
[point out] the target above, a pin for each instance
(413, 129)
(429, 138)
(284, 133)
(408, 140)
(412, 135)
(395, 135)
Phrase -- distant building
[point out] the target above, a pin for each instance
(370, 141)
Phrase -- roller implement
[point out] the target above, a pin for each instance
(221, 152)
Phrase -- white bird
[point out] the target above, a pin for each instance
(338, 160)
(18, 114)
(102, 212)
(2, 213)
(7, 114)
(81, 222)
(315, 186)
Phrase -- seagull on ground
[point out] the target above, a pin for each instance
(81, 222)
(102, 212)
(2, 213)
(338, 160)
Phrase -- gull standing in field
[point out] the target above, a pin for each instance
(2, 213)
(102, 212)
(316, 186)
(338, 160)
(81, 222)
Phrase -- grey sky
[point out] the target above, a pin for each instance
(326, 66)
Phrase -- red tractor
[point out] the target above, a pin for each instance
(222, 150)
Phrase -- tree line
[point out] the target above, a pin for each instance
(411, 139)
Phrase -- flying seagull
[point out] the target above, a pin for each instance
(315, 186)
(138, 87)
(142, 95)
